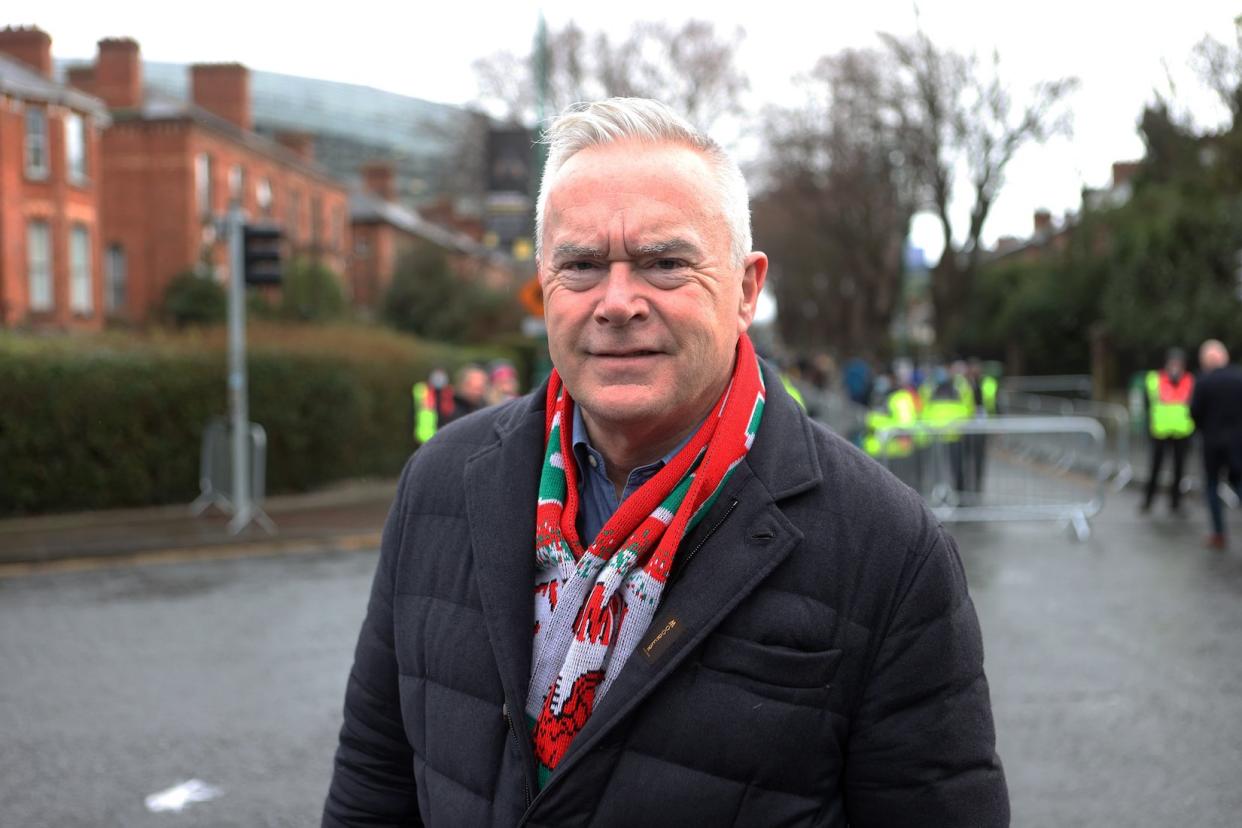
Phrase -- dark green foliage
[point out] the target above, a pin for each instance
(311, 292)
(428, 299)
(122, 426)
(191, 299)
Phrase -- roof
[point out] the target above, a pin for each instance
(365, 208)
(157, 107)
(20, 81)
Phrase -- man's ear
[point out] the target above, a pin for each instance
(753, 277)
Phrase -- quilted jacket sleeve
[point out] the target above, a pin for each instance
(373, 778)
(922, 744)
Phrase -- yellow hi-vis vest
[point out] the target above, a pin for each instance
(989, 386)
(1169, 406)
(938, 413)
(900, 413)
(426, 420)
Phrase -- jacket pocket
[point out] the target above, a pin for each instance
(770, 670)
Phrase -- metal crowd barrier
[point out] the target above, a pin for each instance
(1005, 468)
(1115, 418)
(215, 475)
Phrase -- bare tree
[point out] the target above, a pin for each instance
(1219, 65)
(965, 124)
(837, 208)
(690, 68)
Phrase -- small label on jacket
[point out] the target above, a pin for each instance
(662, 640)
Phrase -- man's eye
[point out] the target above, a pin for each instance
(668, 264)
(580, 266)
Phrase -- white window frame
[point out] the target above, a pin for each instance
(203, 194)
(75, 148)
(39, 265)
(81, 293)
(35, 144)
(263, 195)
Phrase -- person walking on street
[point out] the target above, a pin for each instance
(1216, 407)
(654, 592)
(1169, 423)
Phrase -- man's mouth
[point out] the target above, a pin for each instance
(628, 354)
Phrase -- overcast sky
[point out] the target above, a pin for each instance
(1120, 52)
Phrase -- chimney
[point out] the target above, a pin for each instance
(378, 179)
(223, 89)
(118, 73)
(30, 45)
(81, 77)
(1043, 223)
(1123, 171)
(301, 144)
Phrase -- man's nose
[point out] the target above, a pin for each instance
(623, 300)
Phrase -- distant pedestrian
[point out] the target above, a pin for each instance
(1169, 424)
(504, 383)
(1216, 407)
(469, 394)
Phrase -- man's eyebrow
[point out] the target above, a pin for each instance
(569, 250)
(666, 247)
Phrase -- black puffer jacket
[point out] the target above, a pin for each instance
(820, 662)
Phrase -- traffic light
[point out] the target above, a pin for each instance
(261, 254)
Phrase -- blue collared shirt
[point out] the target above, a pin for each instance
(597, 495)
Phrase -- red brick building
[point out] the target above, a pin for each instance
(171, 169)
(382, 231)
(50, 264)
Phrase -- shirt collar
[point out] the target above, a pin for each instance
(584, 451)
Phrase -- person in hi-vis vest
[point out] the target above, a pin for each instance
(1169, 423)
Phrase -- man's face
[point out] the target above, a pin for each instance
(643, 303)
(473, 385)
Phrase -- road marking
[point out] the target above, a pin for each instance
(178, 796)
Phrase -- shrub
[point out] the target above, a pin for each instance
(116, 420)
(191, 299)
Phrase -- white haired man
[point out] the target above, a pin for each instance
(653, 592)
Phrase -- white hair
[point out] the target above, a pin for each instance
(599, 123)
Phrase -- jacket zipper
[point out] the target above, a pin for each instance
(686, 561)
(504, 711)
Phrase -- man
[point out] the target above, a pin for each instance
(1169, 424)
(981, 393)
(470, 393)
(1216, 408)
(654, 592)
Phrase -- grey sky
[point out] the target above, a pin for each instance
(1120, 52)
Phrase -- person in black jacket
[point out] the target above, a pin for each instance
(654, 592)
(1216, 408)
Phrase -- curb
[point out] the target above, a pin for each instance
(358, 542)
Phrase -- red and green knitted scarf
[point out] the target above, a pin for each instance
(593, 605)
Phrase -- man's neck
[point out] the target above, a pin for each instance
(627, 446)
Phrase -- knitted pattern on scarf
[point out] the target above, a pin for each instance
(593, 605)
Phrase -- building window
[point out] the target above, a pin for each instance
(36, 142)
(316, 220)
(39, 265)
(237, 184)
(81, 299)
(263, 195)
(338, 227)
(361, 247)
(202, 183)
(75, 147)
(114, 279)
(295, 215)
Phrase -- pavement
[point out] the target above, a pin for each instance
(345, 516)
(1115, 667)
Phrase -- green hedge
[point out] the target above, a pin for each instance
(122, 427)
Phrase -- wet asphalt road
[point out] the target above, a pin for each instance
(1116, 668)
